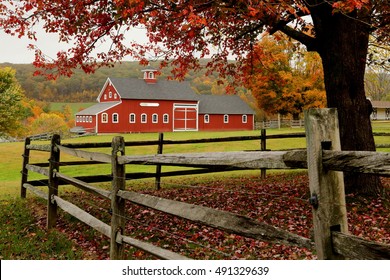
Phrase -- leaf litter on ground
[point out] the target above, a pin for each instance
(280, 200)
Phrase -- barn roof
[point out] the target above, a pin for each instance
(97, 108)
(380, 104)
(133, 88)
(223, 104)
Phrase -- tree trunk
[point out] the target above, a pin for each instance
(343, 46)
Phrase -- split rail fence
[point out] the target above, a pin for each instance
(323, 159)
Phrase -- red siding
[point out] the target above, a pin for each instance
(109, 94)
(216, 122)
(88, 122)
(139, 107)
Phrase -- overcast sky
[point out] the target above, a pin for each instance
(14, 50)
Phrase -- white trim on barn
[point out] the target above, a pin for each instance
(185, 117)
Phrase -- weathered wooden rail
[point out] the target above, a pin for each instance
(332, 240)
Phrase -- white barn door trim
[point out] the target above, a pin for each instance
(185, 117)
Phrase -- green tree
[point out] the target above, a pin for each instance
(377, 85)
(11, 109)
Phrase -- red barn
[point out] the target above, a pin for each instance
(146, 105)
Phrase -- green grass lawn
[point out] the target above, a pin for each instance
(11, 161)
(10, 165)
(21, 236)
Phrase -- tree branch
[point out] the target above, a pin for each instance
(308, 41)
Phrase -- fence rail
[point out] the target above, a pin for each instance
(326, 187)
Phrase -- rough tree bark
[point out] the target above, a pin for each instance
(342, 43)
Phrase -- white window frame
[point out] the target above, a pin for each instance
(155, 118)
(144, 118)
(226, 118)
(110, 94)
(115, 118)
(206, 118)
(132, 118)
(104, 118)
(166, 118)
(90, 119)
(244, 118)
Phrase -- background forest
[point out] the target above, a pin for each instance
(49, 105)
(83, 87)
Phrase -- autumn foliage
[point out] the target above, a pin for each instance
(179, 31)
(281, 81)
(280, 200)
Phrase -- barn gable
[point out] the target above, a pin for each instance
(109, 93)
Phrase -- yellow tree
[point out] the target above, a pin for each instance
(11, 108)
(49, 123)
(282, 82)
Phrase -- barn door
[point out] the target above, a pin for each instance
(185, 117)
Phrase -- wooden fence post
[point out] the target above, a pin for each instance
(158, 166)
(326, 187)
(54, 165)
(263, 147)
(26, 160)
(117, 203)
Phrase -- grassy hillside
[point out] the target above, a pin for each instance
(76, 107)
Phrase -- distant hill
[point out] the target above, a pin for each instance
(83, 87)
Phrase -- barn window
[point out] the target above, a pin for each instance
(115, 118)
(225, 118)
(105, 96)
(244, 118)
(166, 118)
(115, 96)
(83, 119)
(110, 94)
(206, 118)
(144, 118)
(154, 118)
(374, 114)
(132, 118)
(90, 119)
(104, 118)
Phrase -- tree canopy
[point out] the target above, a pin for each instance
(179, 31)
(282, 81)
(11, 108)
